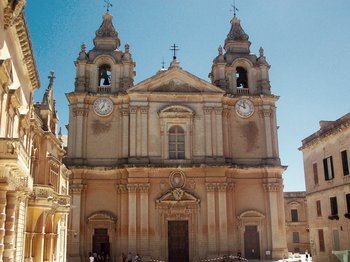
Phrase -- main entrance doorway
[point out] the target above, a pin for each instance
(178, 241)
(251, 242)
(100, 241)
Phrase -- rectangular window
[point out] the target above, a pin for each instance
(318, 208)
(321, 240)
(334, 206)
(336, 243)
(344, 160)
(328, 168)
(295, 237)
(348, 203)
(294, 215)
(314, 168)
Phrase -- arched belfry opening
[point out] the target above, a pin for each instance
(241, 77)
(105, 75)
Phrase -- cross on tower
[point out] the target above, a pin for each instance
(234, 8)
(174, 48)
(51, 77)
(108, 4)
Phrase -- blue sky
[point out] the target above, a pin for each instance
(305, 42)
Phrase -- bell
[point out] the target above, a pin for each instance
(106, 81)
(105, 76)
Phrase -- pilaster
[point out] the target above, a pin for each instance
(133, 127)
(144, 189)
(223, 237)
(219, 132)
(211, 218)
(3, 202)
(144, 132)
(208, 132)
(9, 241)
(132, 212)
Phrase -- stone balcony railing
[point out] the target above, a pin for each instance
(104, 89)
(243, 91)
(12, 149)
(46, 192)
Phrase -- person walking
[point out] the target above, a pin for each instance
(129, 258)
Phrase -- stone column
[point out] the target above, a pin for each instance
(75, 218)
(133, 126)
(223, 237)
(124, 223)
(219, 133)
(3, 202)
(144, 131)
(38, 245)
(211, 218)
(79, 113)
(277, 217)
(266, 114)
(125, 132)
(208, 133)
(9, 241)
(28, 246)
(144, 219)
(132, 188)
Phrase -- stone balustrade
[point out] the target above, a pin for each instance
(12, 149)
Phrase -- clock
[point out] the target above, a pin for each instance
(103, 106)
(244, 108)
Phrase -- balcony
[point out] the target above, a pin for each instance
(104, 89)
(333, 217)
(13, 150)
(242, 91)
(45, 196)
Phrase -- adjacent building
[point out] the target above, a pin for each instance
(297, 225)
(34, 201)
(326, 164)
(174, 168)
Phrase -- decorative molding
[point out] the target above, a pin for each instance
(222, 187)
(265, 112)
(207, 110)
(12, 12)
(80, 112)
(177, 179)
(211, 187)
(132, 188)
(271, 187)
(144, 188)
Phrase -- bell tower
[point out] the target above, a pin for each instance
(103, 75)
(235, 69)
(105, 68)
(250, 133)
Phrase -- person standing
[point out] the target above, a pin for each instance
(129, 257)
(91, 257)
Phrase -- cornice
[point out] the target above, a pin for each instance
(318, 137)
(27, 50)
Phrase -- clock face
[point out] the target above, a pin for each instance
(103, 106)
(244, 108)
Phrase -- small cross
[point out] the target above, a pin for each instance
(51, 77)
(234, 8)
(108, 4)
(174, 48)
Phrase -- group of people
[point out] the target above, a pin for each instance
(97, 257)
(130, 258)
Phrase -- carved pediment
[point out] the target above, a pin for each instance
(102, 215)
(175, 80)
(175, 86)
(176, 111)
(177, 195)
(251, 214)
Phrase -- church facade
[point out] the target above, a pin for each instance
(174, 168)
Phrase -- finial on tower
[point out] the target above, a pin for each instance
(234, 8)
(108, 5)
(163, 63)
(51, 77)
(174, 48)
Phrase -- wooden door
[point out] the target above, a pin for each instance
(101, 241)
(251, 242)
(178, 241)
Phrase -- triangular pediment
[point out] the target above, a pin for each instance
(175, 80)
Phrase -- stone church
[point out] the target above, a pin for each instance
(174, 168)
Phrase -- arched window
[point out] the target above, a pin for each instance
(176, 143)
(241, 77)
(104, 75)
